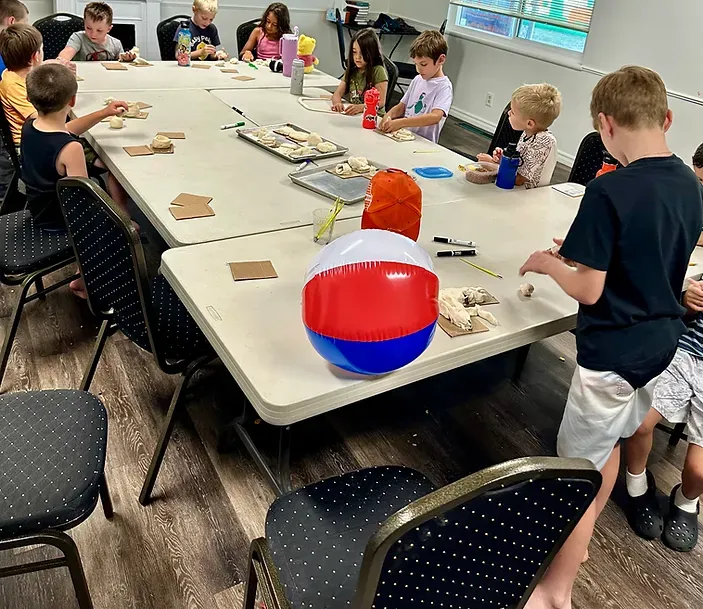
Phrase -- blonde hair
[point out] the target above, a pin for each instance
(540, 103)
(430, 44)
(634, 96)
(205, 6)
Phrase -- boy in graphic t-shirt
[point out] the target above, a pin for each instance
(426, 104)
(204, 38)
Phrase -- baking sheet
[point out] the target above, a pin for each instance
(247, 135)
(321, 181)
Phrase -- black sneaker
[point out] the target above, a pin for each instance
(644, 513)
(681, 528)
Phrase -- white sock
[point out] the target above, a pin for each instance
(684, 503)
(636, 483)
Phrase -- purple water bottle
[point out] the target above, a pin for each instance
(289, 51)
(509, 165)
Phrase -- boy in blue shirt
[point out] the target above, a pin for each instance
(204, 38)
(624, 260)
(11, 11)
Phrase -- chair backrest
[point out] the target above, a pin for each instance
(244, 32)
(484, 541)
(589, 159)
(7, 141)
(110, 258)
(392, 70)
(165, 34)
(56, 29)
(12, 200)
(340, 38)
(504, 133)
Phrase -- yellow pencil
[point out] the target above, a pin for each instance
(480, 268)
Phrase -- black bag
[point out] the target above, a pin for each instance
(391, 25)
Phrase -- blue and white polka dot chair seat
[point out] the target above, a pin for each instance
(26, 248)
(52, 457)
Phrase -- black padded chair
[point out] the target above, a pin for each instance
(56, 29)
(339, 24)
(392, 80)
(589, 159)
(504, 133)
(165, 34)
(243, 33)
(14, 198)
(111, 261)
(52, 462)
(385, 537)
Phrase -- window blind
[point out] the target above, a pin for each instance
(572, 14)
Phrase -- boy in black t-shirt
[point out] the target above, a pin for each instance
(624, 260)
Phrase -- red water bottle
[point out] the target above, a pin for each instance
(371, 99)
(609, 164)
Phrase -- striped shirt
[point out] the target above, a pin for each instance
(692, 341)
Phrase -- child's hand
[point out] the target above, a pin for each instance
(484, 158)
(222, 55)
(115, 108)
(497, 155)
(128, 56)
(69, 64)
(388, 125)
(248, 56)
(693, 296)
(337, 104)
(354, 109)
(539, 262)
(210, 50)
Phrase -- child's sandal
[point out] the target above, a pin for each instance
(644, 513)
(681, 527)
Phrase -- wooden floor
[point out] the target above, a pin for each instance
(188, 549)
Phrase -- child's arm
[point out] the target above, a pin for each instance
(247, 53)
(422, 120)
(67, 54)
(122, 56)
(72, 47)
(81, 124)
(337, 97)
(394, 113)
(71, 161)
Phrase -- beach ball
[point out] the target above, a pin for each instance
(370, 302)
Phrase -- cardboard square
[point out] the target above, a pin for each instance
(243, 78)
(229, 70)
(169, 150)
(173, 135)
(191, 212)
(202, 66)
(138, 150)
(143, 105)
(79, 79)
(454, 331)
(258, 269)
(186, 199)
(113, 65)
(141, 115)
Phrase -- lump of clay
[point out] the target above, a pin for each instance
(314, 139)
(140, 61)
(134, 51)
(298, 136)
(259, 133)
(359, 164)
(133, 110)
(475, 296)
(404, 135)
(109, 100)
(303, 151)
(326, 147)
(269, 140)
(343, 169)
(220, 64)
(284, 131)
(288, 146)
(234, 61)
(527, 289)
(116, 122)
(161, 142)
(479, 311)
(451, 308)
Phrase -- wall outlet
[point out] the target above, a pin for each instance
(489, 100)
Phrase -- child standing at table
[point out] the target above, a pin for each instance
(95, 42)
(533, 109)
(365, 69)
(426, 104)
(630, 243)
(265, 40)
(204, 37)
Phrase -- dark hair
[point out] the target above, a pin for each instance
(98, 11)
(50, 87)
(17, 45)
(430, 44)
(370, 47)
(12, 8)
(698, 157)
(282, 15)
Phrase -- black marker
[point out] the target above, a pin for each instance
(451, 253)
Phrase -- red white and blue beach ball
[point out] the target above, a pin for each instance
(370, 302)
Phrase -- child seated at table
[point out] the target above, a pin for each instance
(265, 40)
(365, 69)
(204, 37)
(426, 104)
(11, 11)
(533, 109)
(95, 42)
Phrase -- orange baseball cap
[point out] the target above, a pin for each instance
(393, 203)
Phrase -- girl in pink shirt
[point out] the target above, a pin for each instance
(265, 40)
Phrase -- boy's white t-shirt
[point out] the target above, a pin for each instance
(424, 96)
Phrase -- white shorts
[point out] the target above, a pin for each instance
(602, 408)
(678, 396)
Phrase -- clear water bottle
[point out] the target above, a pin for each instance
(297, 77)
(183, 42)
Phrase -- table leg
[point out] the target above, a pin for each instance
(522, 354)
(397, 44)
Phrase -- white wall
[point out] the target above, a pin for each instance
(476, 69)
(39, 9)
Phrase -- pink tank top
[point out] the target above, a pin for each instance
(268, 49)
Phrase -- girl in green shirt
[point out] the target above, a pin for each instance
(365, 69)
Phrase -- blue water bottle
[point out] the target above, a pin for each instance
(509, 165)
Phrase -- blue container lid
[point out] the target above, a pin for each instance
(433, 173)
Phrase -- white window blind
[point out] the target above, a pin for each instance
(571, 14)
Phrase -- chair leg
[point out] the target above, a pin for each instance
(251, 586)
(14, 324)
(176, 402)
(39, 285)
(677, 434)
(105, 498)
(97, 352)
(73, 560)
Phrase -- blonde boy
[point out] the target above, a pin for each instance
(533, 109)
(630, 245)
(204, 38)
(95, 43)
(426, 104)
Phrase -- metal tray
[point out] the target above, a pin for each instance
(246, 134)
(321, 181)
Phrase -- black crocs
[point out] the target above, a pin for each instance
(644, 513)
(681, 528)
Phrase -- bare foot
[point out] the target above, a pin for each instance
(78, 288)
